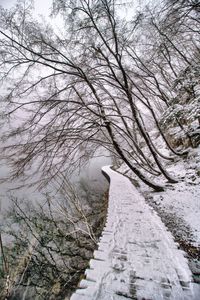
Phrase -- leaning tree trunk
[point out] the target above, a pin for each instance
(137, 172)
(148, 143)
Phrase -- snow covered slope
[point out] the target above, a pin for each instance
(137, 257)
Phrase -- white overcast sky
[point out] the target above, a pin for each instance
(41, 6)
(42, 9)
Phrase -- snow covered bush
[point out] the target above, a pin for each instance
(182, 118)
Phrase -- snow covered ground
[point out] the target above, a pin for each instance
(137, 257)
(179, 208)
(183, 199)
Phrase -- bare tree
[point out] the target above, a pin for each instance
(167, 45)
(92, 85)
(73, 90)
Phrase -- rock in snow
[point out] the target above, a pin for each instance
(137, 258)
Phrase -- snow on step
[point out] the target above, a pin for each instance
(137, 257)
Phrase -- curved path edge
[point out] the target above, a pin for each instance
(137, 257)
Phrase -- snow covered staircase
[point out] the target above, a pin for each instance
(137, 257)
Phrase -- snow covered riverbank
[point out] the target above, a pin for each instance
(137, 256)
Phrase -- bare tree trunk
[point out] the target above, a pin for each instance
(156, 187)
